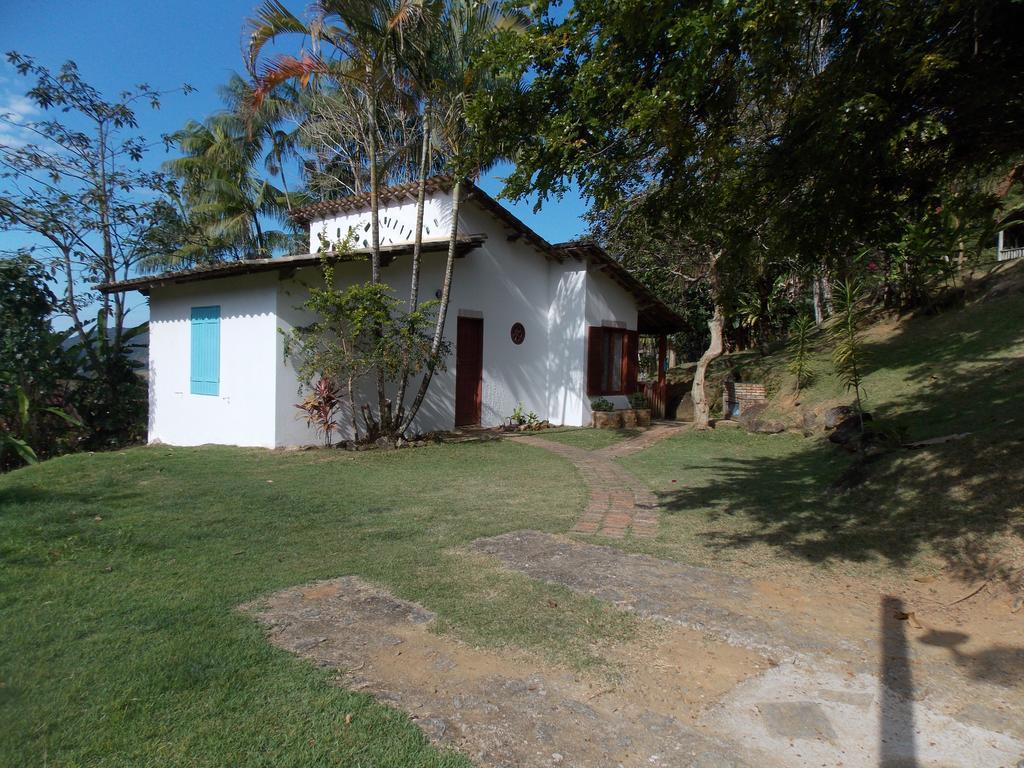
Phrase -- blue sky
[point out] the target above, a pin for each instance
(118, 43)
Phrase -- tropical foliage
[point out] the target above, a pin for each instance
(219, 203)
(777, 144)
(398, 76)
(799, 347)
(848, 345)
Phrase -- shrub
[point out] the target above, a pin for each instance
(321, 408)
(638, 400)
(600, 404)
(799, 348)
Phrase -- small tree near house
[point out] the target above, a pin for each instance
(848, 346)
(357, 333)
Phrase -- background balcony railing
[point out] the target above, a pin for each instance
(1006, 254)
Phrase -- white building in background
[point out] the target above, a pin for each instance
(1010, 243)
(547, 327)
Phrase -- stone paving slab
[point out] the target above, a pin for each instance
(498, 708)
(693, 597)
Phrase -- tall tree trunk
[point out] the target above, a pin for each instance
(72, 306)
(819, 311)
(442, 310)
(826, 293)
(417, 247)
(108, 249)
(701, 405)
(383, 406)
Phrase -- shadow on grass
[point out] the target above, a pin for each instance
(956, 500)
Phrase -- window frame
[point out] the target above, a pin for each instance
(604, 368)
(204, 317)
(608, 367)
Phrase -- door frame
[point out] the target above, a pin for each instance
(469, 330)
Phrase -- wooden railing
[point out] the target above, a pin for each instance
(656, 396)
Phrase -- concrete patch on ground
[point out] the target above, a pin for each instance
(816, 717)
(506, 709)
(878, 691)
(729, 672)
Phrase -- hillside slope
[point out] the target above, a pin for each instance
(957, 372)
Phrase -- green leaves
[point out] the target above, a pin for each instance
(799, 348)
(845, 334)
(360, 331)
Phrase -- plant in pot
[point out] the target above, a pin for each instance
(604, 414)
(641, 408)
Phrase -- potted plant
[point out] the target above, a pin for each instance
(604, 414)
(641, 408)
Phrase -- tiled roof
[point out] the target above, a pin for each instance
(251, 266)
(654, 315)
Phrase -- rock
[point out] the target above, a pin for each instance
(836, 416)
(848, 432)
(810, 422)
(751, 418)
(684, 411)
(845, 431)
(751, 412)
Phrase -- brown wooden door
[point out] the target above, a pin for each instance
(469, 370)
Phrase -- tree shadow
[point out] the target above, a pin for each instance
(954, 499)
(1002, 665)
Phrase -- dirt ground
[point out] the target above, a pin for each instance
(726, 672)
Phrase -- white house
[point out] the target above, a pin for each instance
(548, 327)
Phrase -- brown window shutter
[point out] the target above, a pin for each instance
(595, 360)
(630, 351)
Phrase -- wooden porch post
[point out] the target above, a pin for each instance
(662, 376)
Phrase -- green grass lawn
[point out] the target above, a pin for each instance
(762, 504)
(122, 572)
(747, 499)
(588, 438)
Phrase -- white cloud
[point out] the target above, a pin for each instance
(15, 108)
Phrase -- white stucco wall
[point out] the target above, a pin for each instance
(503, 282)
(566, 375)
(608, 303)
(242, 413)
(397, 223)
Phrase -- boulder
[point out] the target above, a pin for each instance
(767, 426)
(684, 410)
(752, 418)
(810, 421)
(836, 416)
(848, 433)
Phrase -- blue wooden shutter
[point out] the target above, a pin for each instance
(205, 350)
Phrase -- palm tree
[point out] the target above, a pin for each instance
(364, 39)
(266, 123)
(223, 199)
(416, 56)
(464, 29)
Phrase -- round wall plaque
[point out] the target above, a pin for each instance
(518, 333)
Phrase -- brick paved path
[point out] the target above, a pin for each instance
(617, 501)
